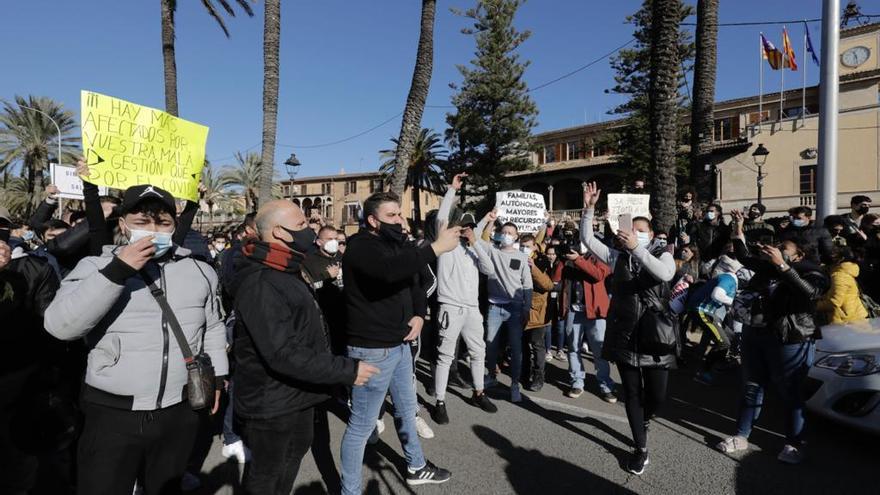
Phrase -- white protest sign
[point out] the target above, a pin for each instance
(523, 209)
(637, 205)
(69, 184)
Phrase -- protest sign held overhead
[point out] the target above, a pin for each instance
(636, 205)
(127, 144)
(523, 209)
(69, 184)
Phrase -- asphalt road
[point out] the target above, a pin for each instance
(552, 444)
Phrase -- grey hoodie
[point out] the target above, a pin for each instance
(134, 356)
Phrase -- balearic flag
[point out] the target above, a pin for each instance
(771, 53)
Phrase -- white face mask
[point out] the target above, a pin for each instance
(526, 250)
(507, 240)
(644, 238)
(331, 246)
(219, 246)
(710, 215)
(161, 240)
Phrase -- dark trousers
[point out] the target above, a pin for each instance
(713, 333)
(118, 447)
(644, 391)
(278, 446)
(534, 341)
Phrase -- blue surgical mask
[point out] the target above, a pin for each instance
(161, 240)
(644, 238)
(28, 235)
(798, 222)
(507, 240)
(710, 215)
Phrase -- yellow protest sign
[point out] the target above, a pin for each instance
(127, 144)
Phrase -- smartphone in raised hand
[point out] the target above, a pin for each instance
(625, 222)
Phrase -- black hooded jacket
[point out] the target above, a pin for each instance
(282, 355)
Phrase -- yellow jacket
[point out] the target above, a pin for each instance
(842, 303)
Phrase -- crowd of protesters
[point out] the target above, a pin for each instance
(129, 336)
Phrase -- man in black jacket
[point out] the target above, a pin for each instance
(27, 286)
(385, 308)
(282, 355)
(322, 270)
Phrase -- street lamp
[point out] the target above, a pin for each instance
(292, 165)
(760, 158)
(58, 128)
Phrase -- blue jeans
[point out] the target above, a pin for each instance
(577, 328)
(557, 329)
(766, 361)
(510, 314)
(396, 376)
(229, 434)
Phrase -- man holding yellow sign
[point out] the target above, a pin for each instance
(127, 144)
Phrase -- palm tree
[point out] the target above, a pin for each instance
(663, 108)
(411, 124)
(14, 195)
(423, 172)
(703, 108)
(215, 185)
(169, 7)
(245, 174)
(28, 136)
(271, 70)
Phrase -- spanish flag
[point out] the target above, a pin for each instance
(789, 60)
(771, 53)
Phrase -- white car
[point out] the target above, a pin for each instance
(844, 382)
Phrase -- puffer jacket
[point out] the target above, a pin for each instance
(134, 361)
(542, 285)
(842, 302)
(786, 301)
(633, 292)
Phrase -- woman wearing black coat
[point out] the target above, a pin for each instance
(779, 341)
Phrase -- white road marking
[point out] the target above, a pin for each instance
(575, 409)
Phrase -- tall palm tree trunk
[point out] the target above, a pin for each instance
(271, 47)
(663, 95)
(168, 58)
(703, 109)
(415, 102)
(417, 205)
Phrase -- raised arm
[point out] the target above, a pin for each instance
(98, 232)
(449, 199)
(600, 250)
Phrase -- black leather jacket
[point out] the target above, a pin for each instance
(786, 302)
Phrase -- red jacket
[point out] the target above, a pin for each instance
(592, 273)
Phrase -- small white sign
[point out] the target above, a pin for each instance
(523, 209)
(637, 205)
(69, 184)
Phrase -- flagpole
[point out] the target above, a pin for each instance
(804, 86)
(782, 82)
(760, 84)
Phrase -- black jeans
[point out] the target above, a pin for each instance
(278, 446)
(118, 446)
(644, 391)
(534, 341)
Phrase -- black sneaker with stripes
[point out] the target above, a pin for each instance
(428, 475)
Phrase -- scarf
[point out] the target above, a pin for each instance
(275, 256)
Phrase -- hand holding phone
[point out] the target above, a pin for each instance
(625, 222)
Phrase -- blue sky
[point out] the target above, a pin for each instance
(346, 65)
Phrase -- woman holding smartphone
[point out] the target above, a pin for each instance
(641, 270)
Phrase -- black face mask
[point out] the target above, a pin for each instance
(392, 232)
(302, 239)
(753, 215)
(863, 209)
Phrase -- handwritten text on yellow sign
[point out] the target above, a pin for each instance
(127, 144)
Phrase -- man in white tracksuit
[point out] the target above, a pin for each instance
(458, 280)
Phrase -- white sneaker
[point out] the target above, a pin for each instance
(190, 482)
(241, 453)
(380, 425)
(791, 455)
(549, 356)
(423, 429)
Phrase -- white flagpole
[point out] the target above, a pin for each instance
(804, 86)
(760, 84)
(782, 83)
